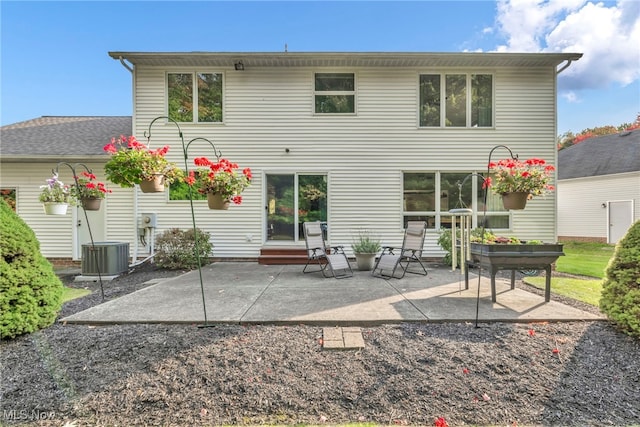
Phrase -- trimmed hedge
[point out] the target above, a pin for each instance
(30, 291)
(620, 299)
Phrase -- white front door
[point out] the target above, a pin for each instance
(620, 219)
(96, 221)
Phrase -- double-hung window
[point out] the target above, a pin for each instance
(468, 100)
(335, 93)
(428, 196)
(194, 97)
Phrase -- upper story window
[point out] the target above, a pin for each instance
(468, 100)
(199, 102)
(335, 93)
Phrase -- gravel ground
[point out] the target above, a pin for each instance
(555, 374)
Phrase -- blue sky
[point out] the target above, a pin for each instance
(54, 59)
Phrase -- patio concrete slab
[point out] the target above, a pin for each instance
(246, 292)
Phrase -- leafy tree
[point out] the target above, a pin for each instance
(569, 139)
(179, 190)
(30, 291)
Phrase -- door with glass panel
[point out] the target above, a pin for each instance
(291, 200)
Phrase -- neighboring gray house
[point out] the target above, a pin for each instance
(30, 150)
(599, 187)
(359, 140)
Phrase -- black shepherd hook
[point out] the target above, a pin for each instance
(484, 215)
(196, 246)
(86, 217)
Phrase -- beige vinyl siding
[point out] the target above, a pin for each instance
(56, 232)
(120, 225)
(580, 210)
(267, 110)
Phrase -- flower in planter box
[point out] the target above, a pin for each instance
(531, 176)
(133, 162)
(222, 177)
(88, 189)
(55, 191)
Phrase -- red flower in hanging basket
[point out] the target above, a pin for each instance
(132, 162)
(532, 176)
(88, 188)
(220, 177)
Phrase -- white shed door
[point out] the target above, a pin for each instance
(620, 219)
(97, 225)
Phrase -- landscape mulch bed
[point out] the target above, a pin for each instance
(556, 374)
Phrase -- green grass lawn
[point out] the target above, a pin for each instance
(584, 290)
(72, 293)
(583, 259)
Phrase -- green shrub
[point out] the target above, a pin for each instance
(30, 291)
(365, 243)
(175, 249)
(444, 240)
(620, 299)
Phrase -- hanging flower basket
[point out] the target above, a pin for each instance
(55, 196)
(153, 185)
(133, 162)
(88, 191)
(91, 203)
(517, 181)
(221, 179)
(515, 201)
(215, 201)
(51, 208)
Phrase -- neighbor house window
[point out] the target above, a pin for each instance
(428, 196)
(9, 196)
(468, 100)
(195, 97)
(334, 93)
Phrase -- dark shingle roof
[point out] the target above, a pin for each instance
(604, 155)
(63, 137)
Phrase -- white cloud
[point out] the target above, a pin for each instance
(608, 37)
(571, 97)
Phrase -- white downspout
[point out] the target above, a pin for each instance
(136, 244)
(565, 66)
(125, 65)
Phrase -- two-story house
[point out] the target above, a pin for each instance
(359, 140)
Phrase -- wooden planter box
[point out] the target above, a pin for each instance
(495, 257)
